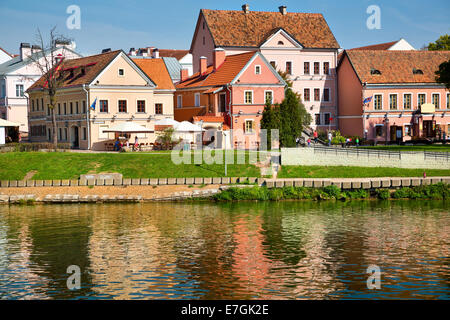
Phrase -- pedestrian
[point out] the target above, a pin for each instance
(357, 141)
(316, 135)
(117, 145)
(309, 142)
(136, 143)
(330, 137)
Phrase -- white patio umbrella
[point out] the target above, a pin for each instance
(6, 123)
(166, 122)
(128, 127)
(186, 126)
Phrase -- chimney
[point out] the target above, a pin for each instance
(219, 57)
(106, 50)
(25, 50)
(283, 10)
(156, 53)
(132, 52)
(184, 74)
(203, 65)
(35, 48)
(246, 8)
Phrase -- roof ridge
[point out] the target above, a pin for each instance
(257, 11)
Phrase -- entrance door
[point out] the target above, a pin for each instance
(429, 129)
(75, 138)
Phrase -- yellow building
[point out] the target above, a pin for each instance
(117, 88)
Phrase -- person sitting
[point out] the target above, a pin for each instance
(117, 146)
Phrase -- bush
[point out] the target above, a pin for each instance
(383, 194)
(402, 193)
(37, 146)
(332, 191)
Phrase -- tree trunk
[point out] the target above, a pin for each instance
(54, 127)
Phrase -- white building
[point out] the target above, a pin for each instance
(18, 74)
(5, 56)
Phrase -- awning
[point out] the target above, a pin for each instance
(186, 126)
(128, 127)
(166, 122)
(6, 123)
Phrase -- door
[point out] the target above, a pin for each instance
(222, 102)
(75, 138)
(428, 128)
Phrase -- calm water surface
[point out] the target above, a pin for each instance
(289, 250)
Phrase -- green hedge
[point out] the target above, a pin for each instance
(438, 191)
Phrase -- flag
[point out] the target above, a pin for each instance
(367, 100)
(93, 104)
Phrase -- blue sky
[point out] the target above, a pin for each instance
(170, 24)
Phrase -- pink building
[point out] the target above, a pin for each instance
(229, 93)
(405, 104)
(300, 44)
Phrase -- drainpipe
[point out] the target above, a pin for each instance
(230, 114)
(88, 123)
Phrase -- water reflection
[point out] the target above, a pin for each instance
(286, 250)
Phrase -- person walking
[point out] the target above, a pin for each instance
(357, 141)
(330, 137)
(316, 135)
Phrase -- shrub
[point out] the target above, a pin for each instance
(402, 193)
(332, 191)
(383, 194)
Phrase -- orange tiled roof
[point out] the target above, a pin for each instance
(222, 76)
(208, 118)
(381, 46)
(156, 70)
(236, 28)
(93, 66)
(397, 66)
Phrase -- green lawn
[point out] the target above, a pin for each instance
(67, 165)
(354, 172)
(429, 148)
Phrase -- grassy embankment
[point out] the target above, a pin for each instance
(66, 165)
(439, 192)
(428, 148)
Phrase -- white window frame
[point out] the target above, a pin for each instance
(393, 94)
(179, 101)
(403, 100)
(162, 109)
(265, 100)
(307, 74)
(320, 71)
(107, 102)
(310, 90)
(197, 102)
(329, 94)
(410, 130)
(146, 105)
(375, 128)
(23, 90)
(314, 95)
(424, 93)
(256, 69)
(245, 126)
(128, 106)
(382, 101)
(245, 96)
(323, 68)
(123, 71)
(439, 95)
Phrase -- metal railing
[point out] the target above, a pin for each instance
(359, 152)
(443, 156)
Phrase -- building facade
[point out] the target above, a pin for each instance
(404, 102)
(300, 44)
(18, 74)
(229, 94)
(117, 88)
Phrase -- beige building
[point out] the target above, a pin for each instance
(117, 89)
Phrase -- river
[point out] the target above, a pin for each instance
(245, 250)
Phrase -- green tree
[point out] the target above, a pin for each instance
(443, 43)
(270, 120)
(166, 138)
(443, 74)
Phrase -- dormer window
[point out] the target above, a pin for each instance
(374, 71)
(417, 71)
(121, 72)
(280, 43)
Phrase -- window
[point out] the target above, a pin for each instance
(393, 101)
(306, 68)
(378, 102)
(60, 134)
(48, 109)
(317, 119)
(248, 97)
(197, 99)
(280, 43)
(84, 106)
(121, 72)
(269, 97)
(288, 67)
(42, 104)
(421, 99)
(407, 130)
(378, 130)
(326, 94)
(65, 108)
(19, 90)
(316, 94)
(141, 106)
(65, 134)
(249, 126)
(179, 101)
(273, 64)
(101, 134)
(316, 68)
(436, 100)
(123, 106)
(257, 69)
(326, 68)
(3, 90)
(327, 118)
(374, 71)
(158, 108)
(104, 106)
(407, 101)
(59, 108)
(76, 108)
(71, 108)
(306, 94)
(84, 135)
(32, 105)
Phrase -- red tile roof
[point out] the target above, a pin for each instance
(381, 46)
(236, 28)
(396, 66)
(156, 70)
(93, 66)
(208, 118)
(220, 77)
